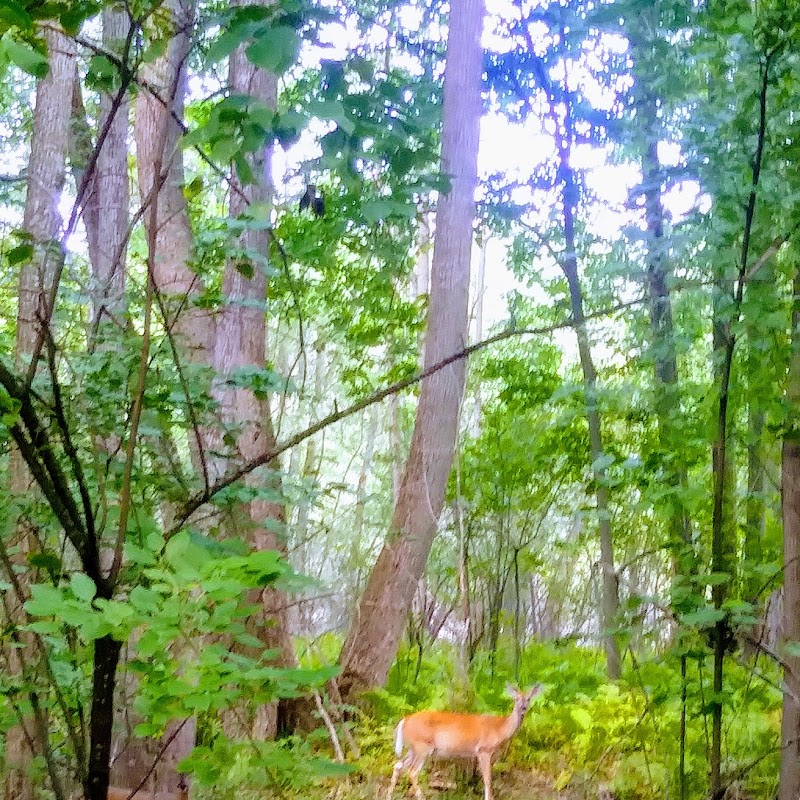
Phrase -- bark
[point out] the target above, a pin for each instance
(106, 659)
(160, 172)
(376, 631)
(107, 208)
(160, 177)
(42, 221)
(241, 342)
(789, 787)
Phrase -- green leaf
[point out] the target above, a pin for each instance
(713, 579)
(102, 74)
(48, 561)
(45, 600)
(274, 49)
(76, 13)
(226, 43)
(13, 14)
(26, 58)
(582, 717)
(83, 587)
(703, 617)
(20, 253)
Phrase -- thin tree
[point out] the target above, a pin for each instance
(560, 108)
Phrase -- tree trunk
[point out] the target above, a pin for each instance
(46, 173)
(789, 788)
(241, 342)
(376, 631)
(169, 237)
(107, 208)
(161, 177)
(610, 593)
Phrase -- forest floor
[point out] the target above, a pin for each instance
(446, 782)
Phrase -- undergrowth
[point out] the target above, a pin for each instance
(582, 732)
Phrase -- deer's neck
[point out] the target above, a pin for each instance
(512, 723)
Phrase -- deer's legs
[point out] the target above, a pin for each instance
(402, 764)
(413, 771)
(412, 763)
(485, 764)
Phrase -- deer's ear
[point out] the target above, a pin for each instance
(534, 690)
(512, 690)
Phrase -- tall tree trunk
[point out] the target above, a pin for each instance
(161, 177)
(376, 631)
(241, 342)
(107, 208)
(46, 173)
(789, 788)
(169, 236)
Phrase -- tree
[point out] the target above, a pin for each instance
(37, 282)
(375, 632)
(789, 786)
(240, 354)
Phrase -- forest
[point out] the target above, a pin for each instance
(361, 358)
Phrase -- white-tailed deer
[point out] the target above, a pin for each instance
(456, 736)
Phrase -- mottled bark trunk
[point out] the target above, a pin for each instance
(160, 173)
(789, 788)
(160, 178)
(241, 342)
(46, 173)
(107, 207)
(375, 633)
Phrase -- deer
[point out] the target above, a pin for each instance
(456, 736)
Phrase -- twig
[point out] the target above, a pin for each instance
(337, 747)
(157, 760)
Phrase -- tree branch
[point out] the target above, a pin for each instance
(198, 500)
